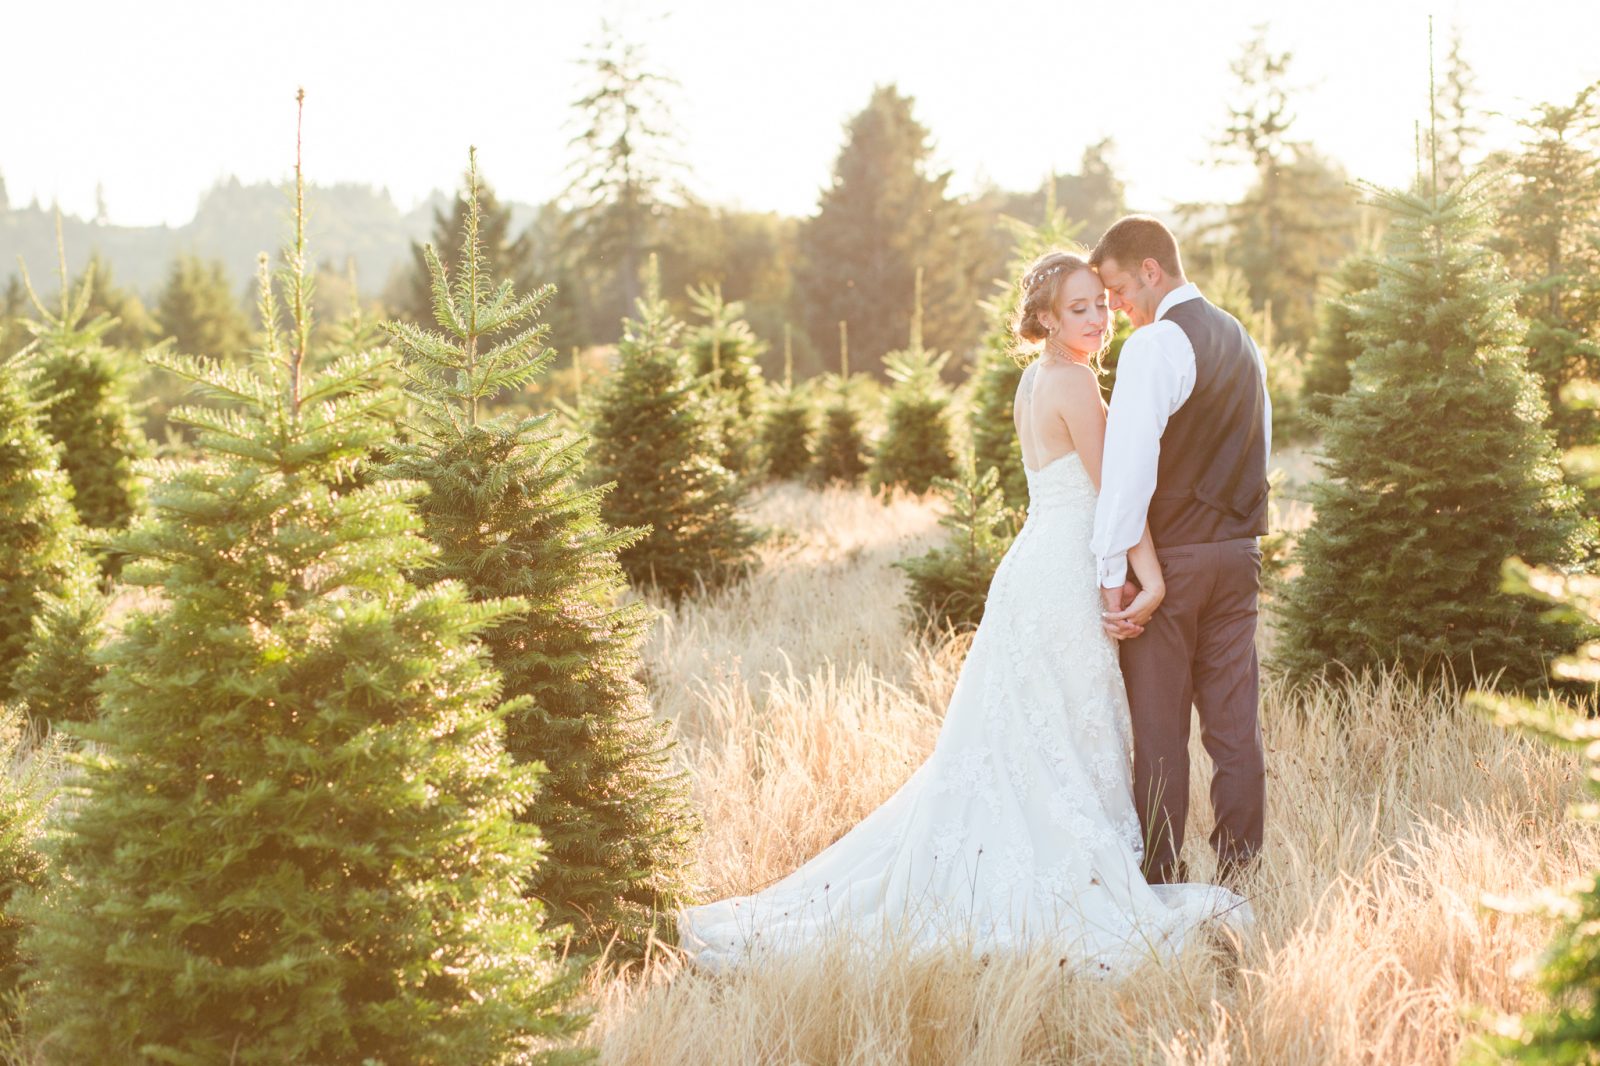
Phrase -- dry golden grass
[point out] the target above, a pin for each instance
(802, 702)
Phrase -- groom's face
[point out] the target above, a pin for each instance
(1129, 293)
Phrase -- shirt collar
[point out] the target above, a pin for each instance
(1186, 291)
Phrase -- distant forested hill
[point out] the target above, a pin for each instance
(234, 222)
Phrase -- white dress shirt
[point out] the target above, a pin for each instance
(1155, 375)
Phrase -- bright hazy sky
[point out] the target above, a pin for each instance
(159, 98)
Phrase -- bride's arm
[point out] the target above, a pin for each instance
(1077, 392)
(1152, 586)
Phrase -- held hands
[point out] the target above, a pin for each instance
(1129, 609)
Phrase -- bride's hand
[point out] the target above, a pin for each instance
(1142, 609)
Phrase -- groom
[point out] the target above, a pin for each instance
(1187, 440)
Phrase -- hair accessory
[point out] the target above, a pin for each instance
(1037, 276)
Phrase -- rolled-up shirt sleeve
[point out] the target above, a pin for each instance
(1155, 375)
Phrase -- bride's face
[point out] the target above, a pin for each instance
(1080, 315)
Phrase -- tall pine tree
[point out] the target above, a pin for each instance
(1438, 467)
(883, 214)
(295, 841)
(1299, 218)
(511, 517)
(1550, 234)
(656, 441)
(624, 176)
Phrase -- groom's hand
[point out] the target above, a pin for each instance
(1115, 599)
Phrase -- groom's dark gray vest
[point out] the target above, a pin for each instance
(1211, 482)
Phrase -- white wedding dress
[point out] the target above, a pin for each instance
(1020, 827)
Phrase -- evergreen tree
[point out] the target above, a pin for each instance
(657, 443)
(132, 328)
(726, 353)
(950, 584)
(13, 307)
(38, 552)
(788, 424)
(197, 309)
(507, 256)
(1438, 466)
(883, 214)
(1299, 218)
(296, 841)
(28, 789)
(89, 411)
(1569, 1029)
(1335, 345)
(1094, 198)
(625, 174)
(1550, 234)
(510, 516)
(1226, 287)
(1000, 364)
(915, 447)
(842, 454)
(1455, 116)
(55, 682)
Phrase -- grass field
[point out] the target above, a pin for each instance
(802, 700)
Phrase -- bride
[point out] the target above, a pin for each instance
(1020, 828)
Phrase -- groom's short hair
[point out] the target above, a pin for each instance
(1134, 238)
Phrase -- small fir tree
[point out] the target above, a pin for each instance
(60, 668)
(1438, 467)
(38, 527)
(842, 455)
(296, 839)
(726, 354)
(915, 447)
(511, 517)
(656, 442)
(788, 424)
(507, 253)
(89, 411)
(950, 584)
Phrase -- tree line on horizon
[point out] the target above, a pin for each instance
(886, 213)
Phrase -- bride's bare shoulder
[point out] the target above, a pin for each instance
(1067, 385)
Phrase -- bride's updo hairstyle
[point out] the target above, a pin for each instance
(1041, 289)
